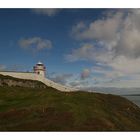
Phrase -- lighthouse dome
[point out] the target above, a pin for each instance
(40, 63)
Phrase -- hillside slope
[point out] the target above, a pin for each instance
(47, 109)
(15, 82)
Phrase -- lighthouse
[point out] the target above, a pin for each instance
(40, 69)
(39, 74)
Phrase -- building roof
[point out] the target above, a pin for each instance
(39, 63)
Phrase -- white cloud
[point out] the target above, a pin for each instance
(126, 65)
(35, 43)
(89, 52)
(121, 84)
(115, 44)
(102, 29)
(60, 78)
(119, 32)
(47, 11)
(85, 74)
(2, 67)
(79, 84)
(83, 53)
(118, 35)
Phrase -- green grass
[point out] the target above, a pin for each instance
(27, 109)
(47, 109)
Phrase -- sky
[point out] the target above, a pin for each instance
(83, 48)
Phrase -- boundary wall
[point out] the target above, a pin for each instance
(34, 76)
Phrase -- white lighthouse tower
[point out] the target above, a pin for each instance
(40, 69)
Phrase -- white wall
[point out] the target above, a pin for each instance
(33, 76)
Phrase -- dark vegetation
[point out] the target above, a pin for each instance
(47, 109)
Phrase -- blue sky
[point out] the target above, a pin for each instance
(80, 47)
(25, 23)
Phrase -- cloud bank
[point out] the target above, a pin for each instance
(112, 43)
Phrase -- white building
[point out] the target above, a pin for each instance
(39, 74)
(40, 69)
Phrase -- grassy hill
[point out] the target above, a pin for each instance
(37, 108)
